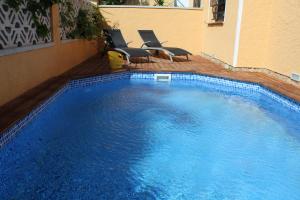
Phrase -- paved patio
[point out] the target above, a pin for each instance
(18, 108)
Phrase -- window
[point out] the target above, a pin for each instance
(218, 10)
(197, 3)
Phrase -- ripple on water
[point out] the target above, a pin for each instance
(155, 141)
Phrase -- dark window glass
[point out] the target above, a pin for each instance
(218, 9)
(197, 4)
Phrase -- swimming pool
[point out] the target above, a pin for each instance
(127, 136)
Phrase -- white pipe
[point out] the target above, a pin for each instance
(238, 33)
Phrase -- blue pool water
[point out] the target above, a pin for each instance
(146, 140)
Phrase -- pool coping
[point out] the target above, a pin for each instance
(11, 131)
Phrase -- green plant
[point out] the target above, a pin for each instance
(89, 24)
(15, 4)
(67, 18)
(37, 9)
(159, 2)
(112, 2)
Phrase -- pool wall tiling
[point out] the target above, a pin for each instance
(9, 133)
